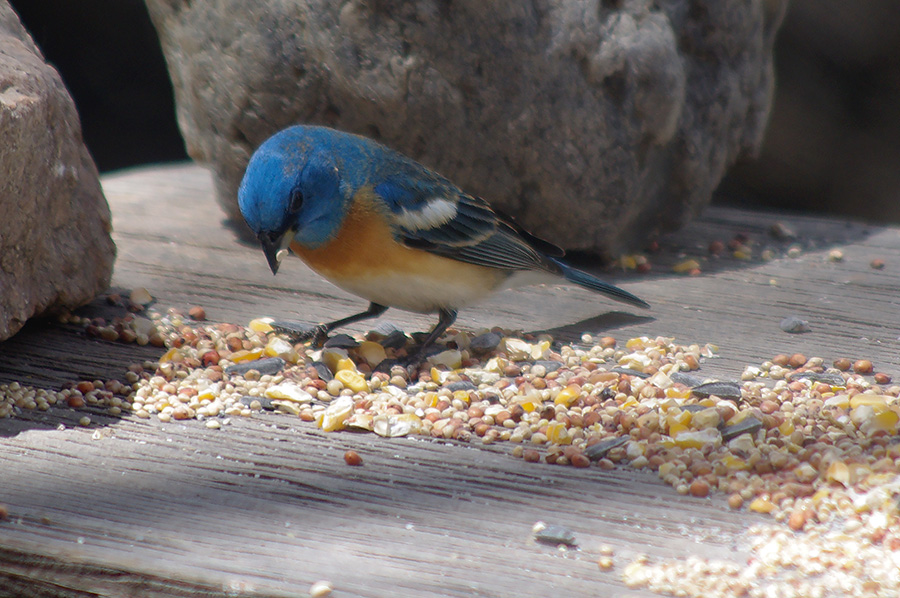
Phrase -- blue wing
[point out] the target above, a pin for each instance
(430, 213)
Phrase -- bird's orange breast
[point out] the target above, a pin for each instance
(365, 259)
(363, 245)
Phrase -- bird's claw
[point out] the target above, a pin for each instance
(302, 333)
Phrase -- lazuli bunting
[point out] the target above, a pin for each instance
(382, 226)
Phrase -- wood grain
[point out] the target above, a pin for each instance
(266, 506)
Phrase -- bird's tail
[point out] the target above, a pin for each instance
(583, 279)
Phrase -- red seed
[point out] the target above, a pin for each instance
(580, 460)
(797, 360)
(512, 370)
(842, 364)
(768, 407)
(699, 488)
(182, 412)
(197, 313)
(4, 513)
(862, 366)
(882, 378)
(85, 387)
(75, 401)
(531, 455)
(210, 358)
(798, 519)
(352, 458)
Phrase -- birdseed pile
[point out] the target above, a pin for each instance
(812, 444)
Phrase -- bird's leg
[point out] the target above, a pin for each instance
(446, 317)
(319, 334)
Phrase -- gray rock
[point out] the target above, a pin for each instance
(795, 325)
(267, 365)
(56, 252)
(555, 535)
(485, 343)
(749, 425)
(598, 451)
(725, 389)
(595, 123)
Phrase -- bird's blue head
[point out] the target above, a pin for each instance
(293, 190)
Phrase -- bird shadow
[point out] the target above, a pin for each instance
(603, 322)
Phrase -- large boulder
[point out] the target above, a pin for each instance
(596, 124)
(56, 252)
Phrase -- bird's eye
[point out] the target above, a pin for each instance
(296, 201)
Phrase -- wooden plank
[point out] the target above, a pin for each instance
(266, 506)
(272, 508)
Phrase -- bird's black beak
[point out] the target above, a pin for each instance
(273, 248)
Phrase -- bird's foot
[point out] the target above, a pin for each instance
(413, 359)
(407, 362)
(301, 333)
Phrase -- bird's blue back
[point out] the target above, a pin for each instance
(278, 166)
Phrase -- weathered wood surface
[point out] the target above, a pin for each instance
(266, 506)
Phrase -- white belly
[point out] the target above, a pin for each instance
(423, 294)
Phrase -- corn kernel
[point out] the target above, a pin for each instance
(640, 342)
(568, 395)
(451, 359)
(530, 404)
(674, 393)
(335, 416)
(884, 421)
(289, 391)
(762, 505)
(677, 421)
(439, 376)
(698, 439)
(261, 325)
(372, 352)
(876, 402)
(241, 356)
(344, 365)
(820, 495)
(539, 350)
(686, 266)
(430, 400)
(462, 395)
(558, 433)
(838, 472)
(351, 379)
(278, 347)
(168, 355)
(391, 426)
(331, 357)
(786, 428)
(735, 463)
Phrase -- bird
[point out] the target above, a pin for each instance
(385, 228)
